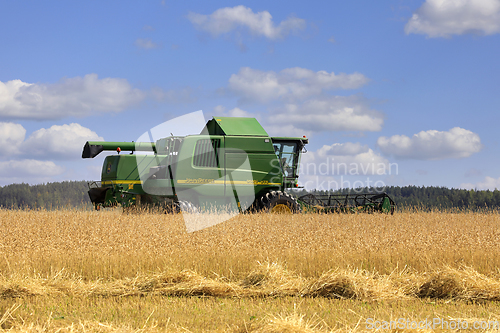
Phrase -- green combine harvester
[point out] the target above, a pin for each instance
(232, 163)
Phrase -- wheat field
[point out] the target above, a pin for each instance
(71, 270)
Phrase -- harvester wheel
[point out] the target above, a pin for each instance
(279, 202)
(187, 207)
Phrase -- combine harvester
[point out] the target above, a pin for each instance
(232, 163)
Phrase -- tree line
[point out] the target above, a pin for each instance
(68, 194)
(73, 194)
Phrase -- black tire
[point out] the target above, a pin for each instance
(279, 202)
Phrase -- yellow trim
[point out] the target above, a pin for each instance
(119, 182)
(213, 181)
(197, 181)
(253, 182)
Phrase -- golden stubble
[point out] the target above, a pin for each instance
(109, 245)
(409, 256)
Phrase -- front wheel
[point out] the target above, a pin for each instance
(279, 202)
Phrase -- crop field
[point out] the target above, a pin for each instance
(81, 271)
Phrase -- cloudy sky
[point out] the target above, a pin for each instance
(399, 92)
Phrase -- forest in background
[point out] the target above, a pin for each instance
(73, 194)
(57, 195)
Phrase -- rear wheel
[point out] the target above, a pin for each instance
(279, 202)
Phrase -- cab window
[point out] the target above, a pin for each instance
(286, 153)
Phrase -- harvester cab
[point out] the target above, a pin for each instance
(288, 152)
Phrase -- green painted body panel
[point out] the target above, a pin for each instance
(235, 126)
(386, 205)
(189, 175)
(232, 155)
(125, 167)
(230, 164)
(250, 144)
(287, 138)
(125, 146)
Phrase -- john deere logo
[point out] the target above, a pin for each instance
(108, 168)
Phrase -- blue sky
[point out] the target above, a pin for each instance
(373, 84)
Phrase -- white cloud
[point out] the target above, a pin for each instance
(286, 130)
(346, 158)
(61, 142)
(442, 18)
(432, 144)
(345, 149)
(11, 137)
(237, 112)
(220, 110)
(146, 43)
(28, 168)
(94, 171)
(69, 97)
(308, 108)
(56, 142)
(329, 113)
(271, 128)
(489, 183)
(291, 83)
(226, 20)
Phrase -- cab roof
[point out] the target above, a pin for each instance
(238, 126)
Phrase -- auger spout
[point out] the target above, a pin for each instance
(94, 148)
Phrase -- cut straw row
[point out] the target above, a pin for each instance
(272, 280)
